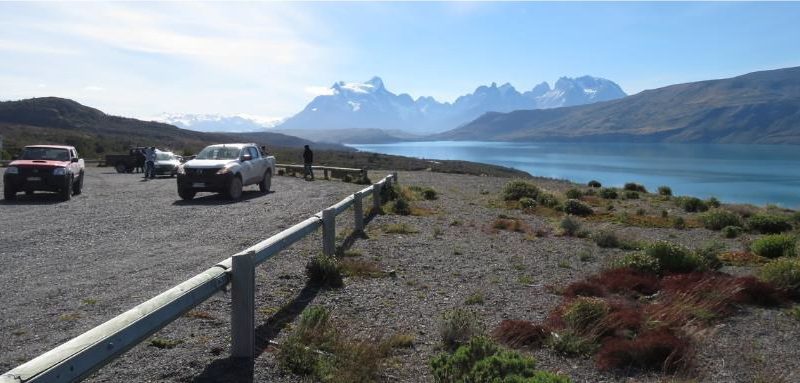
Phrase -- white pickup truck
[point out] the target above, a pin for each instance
(53, 168)
(226, 168)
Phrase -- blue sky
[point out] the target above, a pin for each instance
(270, 59)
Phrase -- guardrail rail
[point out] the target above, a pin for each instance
(88, 352)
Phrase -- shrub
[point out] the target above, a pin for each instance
(639, 261)
(665, 191)
(429, 194)
(517, 189)
(627, 281)
(576, 207)
(347, 178)
(708, 254)
(571, 344)
(717, 219)
(678, 223)
(783, 273)
(635, 187)
(758, 293)
(527, 203)
(570, 225)
(573, 193)
(606, 239)
(324, 271)
(585, 312)
(713, 202)
(458, 326)
(732, 231)
(775, 245)
(655, 350)
(363, 180)
(594, 184)
(608, 193)
(519, 333)
(796, 217)
(631, 194)
(673, 258)
(691, 204)
(769, 223)
(399, 228)
(547, 200)
(314, 332)
(401, 207)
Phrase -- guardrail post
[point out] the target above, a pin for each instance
(376, 198)
(358, 210)
(394, 177)
(325, 173)
(243, 306)
(329, 231)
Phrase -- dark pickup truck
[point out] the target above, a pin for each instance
(125, 163)
(51, 168)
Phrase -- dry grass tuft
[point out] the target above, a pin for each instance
(520, 334)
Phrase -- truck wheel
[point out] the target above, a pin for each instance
(120, 167)
(235, 189)
(266, 182)
(78, 189)
(9, 194)
(66, 191)
(186, 194)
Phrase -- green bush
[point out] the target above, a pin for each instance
(631, 195)
(631, 186)
(673, 258)
(665, 191)
(578, 208)
(347, 178)
(363, 180)
(783, 273)
(713, 202)
(638, 261)
(573, 193)
(594, 184)
(429, 194)
(732, 231)
(796, 217)
(765, 223)
(716, 219)
(481, 360)
(527, 203)
(324, 271)
(570, 225)
(775, 245)
(678, 223)
(571, 344)
(606, 239)
(608, 193)
(585, 312)
(547, 200)
(458, 326)
(517, 189)
(314, 332)
(709, 253)
(691, 204)
(401, 207)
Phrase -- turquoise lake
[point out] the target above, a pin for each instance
(757, 174)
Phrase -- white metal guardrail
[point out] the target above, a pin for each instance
(88, 352)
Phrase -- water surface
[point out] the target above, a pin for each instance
(758, 174)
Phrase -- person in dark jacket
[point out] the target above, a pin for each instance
(308, 159)
(140, 160)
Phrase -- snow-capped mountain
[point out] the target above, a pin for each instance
(219, 123)
(351, 105)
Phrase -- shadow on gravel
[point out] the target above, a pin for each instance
(238, 370)
(36, 199)
(219, 199)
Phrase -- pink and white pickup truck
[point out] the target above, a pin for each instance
(50, 168)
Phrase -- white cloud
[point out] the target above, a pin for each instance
(318, 90)
(33, 47)
(93, 88)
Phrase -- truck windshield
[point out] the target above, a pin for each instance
(163, 156)
(49, 154)
(218, 153)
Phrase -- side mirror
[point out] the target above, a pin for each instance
(74, 160)
(247, 157)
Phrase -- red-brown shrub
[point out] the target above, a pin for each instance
(659, 350)
(626, 281)
(584, 289)
(520, 333)
(759, 293)
(622, 322)
(691, 281)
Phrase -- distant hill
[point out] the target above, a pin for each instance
(759, 108)
(369, 105)
(57, 120)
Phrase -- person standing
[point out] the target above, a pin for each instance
(150, 163)
(308, 159)
(140, 160)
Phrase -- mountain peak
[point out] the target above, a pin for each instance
(376, 82)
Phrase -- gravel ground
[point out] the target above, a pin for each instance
(454, 254)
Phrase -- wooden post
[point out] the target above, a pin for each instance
(243, 306)
(358, 210)
(325, 173)
(394, 177)
(376, 198)
(329, 231)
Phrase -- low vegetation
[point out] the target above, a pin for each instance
(325, 272)
(717, 219)
(575, 207)
(631, 186)
(519, 188)
(775, 245)
(458, 326)
(766, 223)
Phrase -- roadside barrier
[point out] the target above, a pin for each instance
(88, 352)
(292, 169)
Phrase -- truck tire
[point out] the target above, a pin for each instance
(78, 188)
(234, 192)
(66, 192)
(9, 194)
(266, 182)
(120, 167)
(186, 194)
